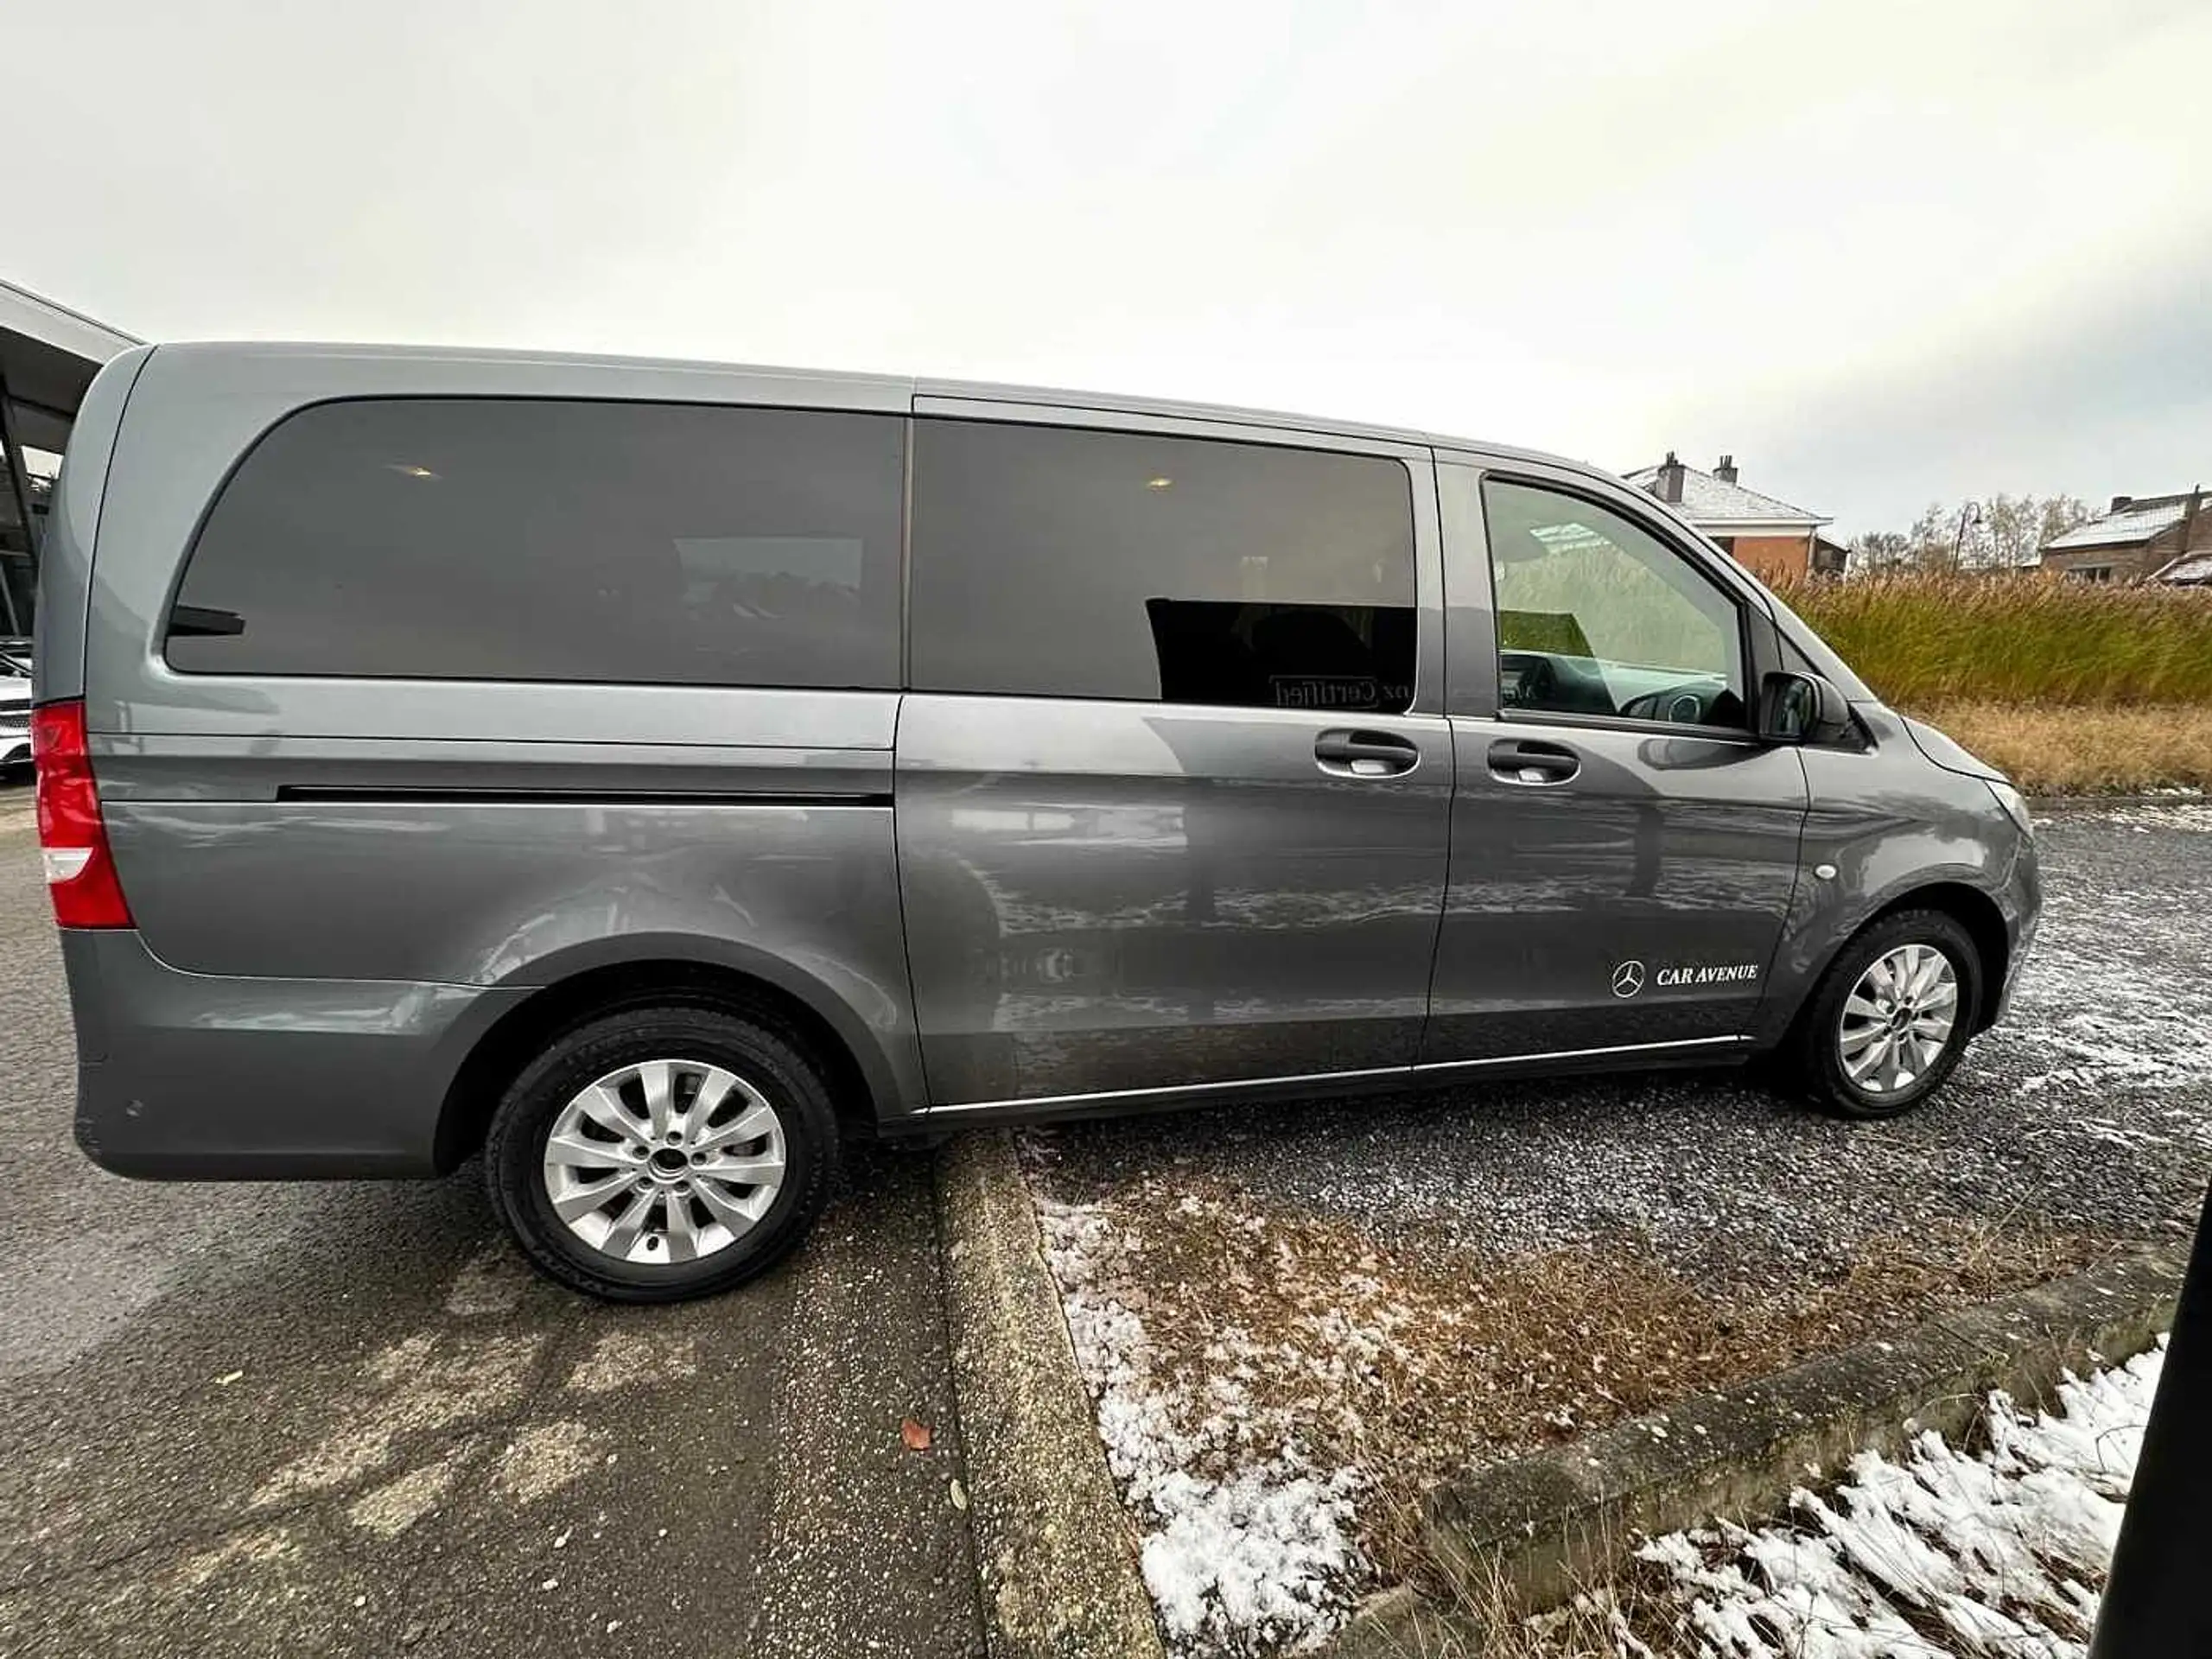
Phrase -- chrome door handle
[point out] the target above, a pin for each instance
(1528, 760)
(1347, 753)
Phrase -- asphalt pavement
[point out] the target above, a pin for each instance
(345, 1418)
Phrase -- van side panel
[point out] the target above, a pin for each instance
(465, 875)
(1891, 825)
(196, 1076)
(72, 529)
(339, 883)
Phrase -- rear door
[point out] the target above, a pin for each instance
(1624, 849)
(1173, 776)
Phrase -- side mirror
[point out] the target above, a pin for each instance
(1801, 708)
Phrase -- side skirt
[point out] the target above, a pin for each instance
(1638, 1056)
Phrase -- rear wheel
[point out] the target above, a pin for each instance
(1889, 1020)
(661, 1154)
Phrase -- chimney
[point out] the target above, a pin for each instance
(2119, 502)
(1668, 486)
(1725, 472)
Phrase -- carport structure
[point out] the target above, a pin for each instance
(48, 355)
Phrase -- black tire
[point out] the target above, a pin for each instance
(1810, 1061)
(763, 1053)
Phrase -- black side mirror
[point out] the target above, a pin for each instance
(1801, 708)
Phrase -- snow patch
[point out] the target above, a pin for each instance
(1259, 1551)
(1244, 1544)
(2000, 1552)
(2085, 1012)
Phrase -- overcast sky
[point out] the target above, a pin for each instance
(1880, 251)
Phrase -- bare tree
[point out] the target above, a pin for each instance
(2004, 532)
(1880, 549)
(2010, 532)
(2059, 514)
(1932, 541)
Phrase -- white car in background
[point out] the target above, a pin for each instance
(14, 706)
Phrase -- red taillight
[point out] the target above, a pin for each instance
(79, 870)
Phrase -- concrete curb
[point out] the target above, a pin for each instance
(1053, 1544)
(1526, 1534)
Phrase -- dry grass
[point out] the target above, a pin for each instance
(1406, 1359)
(1603, 1620)
(1487, 1623)
(1922, 641)
(2085, 751)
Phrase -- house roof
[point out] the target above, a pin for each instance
(1707, 501)
(2130, 527)
(2189, 572)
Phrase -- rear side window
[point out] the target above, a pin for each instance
(1056, 562)
(491, 538)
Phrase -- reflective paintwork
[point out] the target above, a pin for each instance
(192, 1076)
(1571, 902)
(1103, 896)
(1891, 822)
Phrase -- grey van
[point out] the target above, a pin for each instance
(649, 775)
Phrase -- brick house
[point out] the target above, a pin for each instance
(1766, 536)
(2138, 538)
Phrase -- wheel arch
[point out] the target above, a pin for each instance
(863, 1084)
(1973, 910)
(1805, 960)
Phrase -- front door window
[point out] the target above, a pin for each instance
(1598, 616)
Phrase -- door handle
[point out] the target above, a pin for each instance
(1365, 754)
(1526, 760)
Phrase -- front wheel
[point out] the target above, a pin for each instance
(1889, 1020)
(660, 1153)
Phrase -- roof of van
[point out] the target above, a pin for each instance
(919, 387)
(982, 392)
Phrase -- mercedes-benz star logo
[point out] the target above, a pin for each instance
(1628, 979)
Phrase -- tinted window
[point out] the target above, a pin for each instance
(470, 538)
(1595, 615)
(1052, 561)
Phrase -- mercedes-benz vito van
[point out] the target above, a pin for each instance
(650, 774)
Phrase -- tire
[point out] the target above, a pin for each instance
(1814, 1060)
(603, 1073)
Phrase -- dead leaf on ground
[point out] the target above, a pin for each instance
(917, 1435)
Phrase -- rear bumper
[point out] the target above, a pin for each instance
(195, 1077)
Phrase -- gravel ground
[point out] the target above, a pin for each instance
(1338, 1299)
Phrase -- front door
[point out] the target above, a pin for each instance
(1170, 811)
(1623, 850)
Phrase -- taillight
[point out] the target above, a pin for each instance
(79, 870)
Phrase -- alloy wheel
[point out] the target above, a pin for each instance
(1898, 1020)
(664, 1162)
